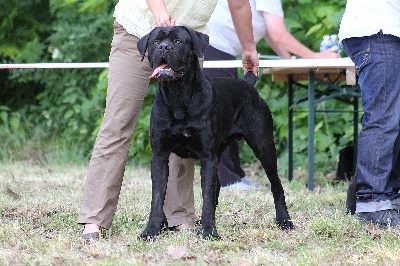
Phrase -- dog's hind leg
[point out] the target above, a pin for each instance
(159, 177)
(265, 151)
(218, 184)
(217, 190)
(209, 191)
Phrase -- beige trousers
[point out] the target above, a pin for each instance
(128, 79)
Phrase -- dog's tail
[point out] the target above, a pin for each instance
(250, 78)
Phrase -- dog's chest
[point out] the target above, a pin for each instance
(190, 140)
(186, 133)
(183, 133)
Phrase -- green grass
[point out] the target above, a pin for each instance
(39, 206)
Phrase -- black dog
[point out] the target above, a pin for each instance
(194, 117)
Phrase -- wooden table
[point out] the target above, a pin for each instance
(326, 79)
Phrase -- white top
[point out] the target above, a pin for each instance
(222, 32)
(137, 19)
(368, 17)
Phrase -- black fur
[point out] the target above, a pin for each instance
(351, 195)
(197, 117)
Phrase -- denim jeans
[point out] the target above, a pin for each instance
(377, 59)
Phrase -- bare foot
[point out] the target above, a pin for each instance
(183, 227)
(91, 228)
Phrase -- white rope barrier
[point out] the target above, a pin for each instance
(55, 65)
(210, 64)
(283, 63)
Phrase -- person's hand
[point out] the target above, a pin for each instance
(164, 20)
(250, 62)
(330, 53)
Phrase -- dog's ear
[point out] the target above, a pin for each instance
(200, 42)
(142, 45)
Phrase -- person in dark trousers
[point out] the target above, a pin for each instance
(268, 23)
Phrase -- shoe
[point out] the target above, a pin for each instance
(182, 227)
(384, 219)
(93, 236)
(239, 185)
(244, 184)
(90, 236)
(247, 181)
(396, 204)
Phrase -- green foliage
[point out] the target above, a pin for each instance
(12, 133)
(23, 25)
(66, 103)
(309, 20)
(39, 106)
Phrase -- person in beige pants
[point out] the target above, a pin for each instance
(128, 79)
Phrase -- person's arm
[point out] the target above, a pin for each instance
(277, 48)
(242, 21)
(277, 36)
(160, 13)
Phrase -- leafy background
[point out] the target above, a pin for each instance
(44, 113)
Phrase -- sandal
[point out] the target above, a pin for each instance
(90, 236)
(94, 236)
(182, 227)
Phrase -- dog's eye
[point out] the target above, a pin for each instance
(178, 41)
(155, 42)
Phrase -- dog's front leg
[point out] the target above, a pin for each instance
(159, 177)
(209, 191)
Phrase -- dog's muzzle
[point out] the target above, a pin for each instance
(163, 70)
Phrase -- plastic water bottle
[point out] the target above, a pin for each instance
(325, 44)
(335, 42)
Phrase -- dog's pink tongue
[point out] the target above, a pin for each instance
(157, 70)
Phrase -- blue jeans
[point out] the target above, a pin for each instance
(377, 59)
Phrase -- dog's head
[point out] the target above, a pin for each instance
(171, 51)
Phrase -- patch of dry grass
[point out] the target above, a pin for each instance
(39, 206)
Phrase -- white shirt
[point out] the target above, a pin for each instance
(222, 32)
(137, 19)
(368, 17)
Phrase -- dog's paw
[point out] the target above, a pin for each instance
(285, 224)
(210, 233)
(150, 233)
(146, 237)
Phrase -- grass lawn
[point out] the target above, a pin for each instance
(39, 206)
